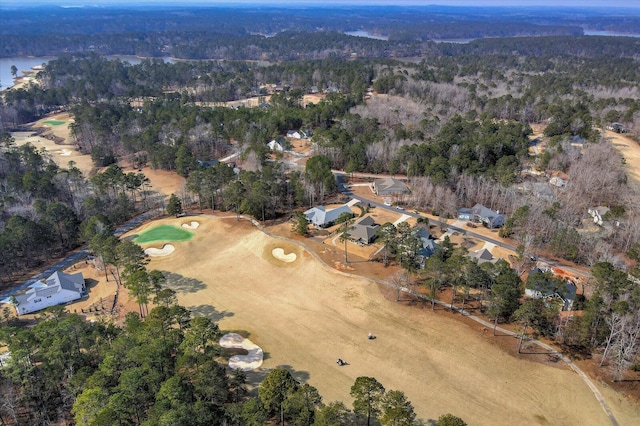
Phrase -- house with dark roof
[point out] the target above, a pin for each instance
(427, 243)
(322, 218)
(490, 218)
(207, 163)
(58, 289)
(364, 230)
(617, 127)
(464, 213)
(565, 293)
(388, 186)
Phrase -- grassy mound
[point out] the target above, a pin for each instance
(163, 233)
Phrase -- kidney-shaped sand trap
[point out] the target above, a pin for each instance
(192, 225)
(278, 253)
(166, 250)
(248, 362)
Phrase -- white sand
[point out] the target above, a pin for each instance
(166, 250)
(278, 253)
(248, 362)
(192, 225)
(65, 152)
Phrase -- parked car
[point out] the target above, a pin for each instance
(399, 207)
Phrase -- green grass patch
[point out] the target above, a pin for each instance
(54, 122)
(163, 233)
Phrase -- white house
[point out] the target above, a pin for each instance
(58, 289)
(597, 213)
(297, 134)
(322, 218)
(278, 144)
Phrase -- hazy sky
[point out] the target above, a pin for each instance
(569, 3)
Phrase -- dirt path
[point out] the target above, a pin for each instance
(305, 317)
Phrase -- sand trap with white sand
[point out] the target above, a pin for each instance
(192, 225)
(278, 253)
(248, 362)
(166, 250)
(65, 152)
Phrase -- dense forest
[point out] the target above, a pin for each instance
(314, 33)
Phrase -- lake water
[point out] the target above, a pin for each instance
(609, 33)
(22, 63)
(362, 33)
(25, 63)
(454, 40)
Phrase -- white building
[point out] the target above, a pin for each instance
(58, 289)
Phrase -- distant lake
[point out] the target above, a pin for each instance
(362, 33)
(609, 33)
(24, 63)
(455, 40)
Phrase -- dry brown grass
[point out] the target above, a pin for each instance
(304, 317)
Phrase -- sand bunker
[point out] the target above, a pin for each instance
(248, 362)
(278, 253)
(65, 152)
(192, 225)
(166, 250)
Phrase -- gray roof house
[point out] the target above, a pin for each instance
(482, 256)
(58, 289)
(490, 218)
(429, 246)
(364, 230)
(567, 297)
(389, 186)
(322, 218)
(464, 213)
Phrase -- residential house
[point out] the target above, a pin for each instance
(278, 144)
(321, 218)
(617, 127)
(598, 213)
(207, 163)
(578, 141)
(558, 178)
(490, 218)
(558, 181)
(388, 186)
(58, 289)
(364, 230)
(297, 134)
(566, 295)
(427, 243)
(464, 213)
(483, 256)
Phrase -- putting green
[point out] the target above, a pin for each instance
(54, 122)
(163, 233)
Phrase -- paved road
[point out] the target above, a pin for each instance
(500, 243)
(71, 259)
